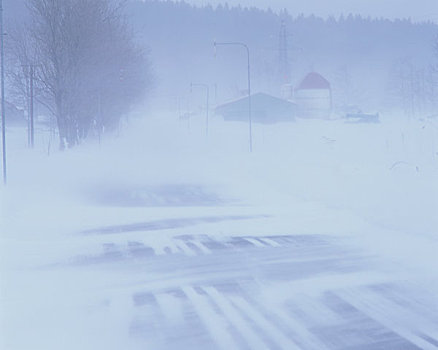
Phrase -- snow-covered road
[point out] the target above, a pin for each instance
(174, 249)
(195, 291)
(269, 292)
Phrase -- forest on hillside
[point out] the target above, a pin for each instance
(373, 63)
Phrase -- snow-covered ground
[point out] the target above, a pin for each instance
(324, 237)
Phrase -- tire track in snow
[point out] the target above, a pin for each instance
(216, 325)
(258, 318)
(375, 308)
(252, 339)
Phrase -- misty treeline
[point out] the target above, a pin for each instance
(85, 66)
(374, 63)
(414, 88)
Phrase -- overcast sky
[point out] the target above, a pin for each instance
(418, 10)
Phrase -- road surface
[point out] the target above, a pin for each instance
(263, 292)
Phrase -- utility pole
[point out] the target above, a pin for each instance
(249, 86)
(32, 129)
(283, 54)
(2, 78)
(30, 89)
(208, 98)
(99, 115)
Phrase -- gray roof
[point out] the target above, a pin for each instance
(264, 108)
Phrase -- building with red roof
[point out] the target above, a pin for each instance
(313, 96)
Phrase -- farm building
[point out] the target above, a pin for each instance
(314, 97)
(264, 109)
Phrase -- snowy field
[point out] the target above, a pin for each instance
(324, 237)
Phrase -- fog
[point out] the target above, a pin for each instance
(153, 201)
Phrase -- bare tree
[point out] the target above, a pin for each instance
(18, 73)
(89, 71)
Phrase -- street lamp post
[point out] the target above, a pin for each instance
(208, 98)
(2, 78)
(249, 85)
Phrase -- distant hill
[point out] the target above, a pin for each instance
(372, 63)
(358, 55)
